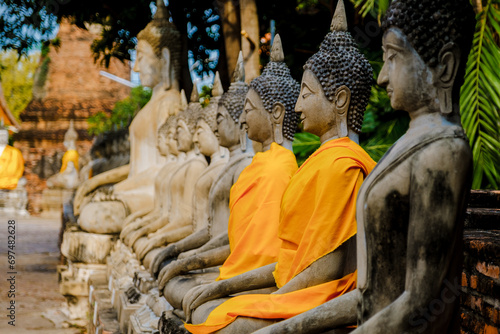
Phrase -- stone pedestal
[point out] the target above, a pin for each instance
(74, 286)
(13, 203)
(145, 319)
(79, 246)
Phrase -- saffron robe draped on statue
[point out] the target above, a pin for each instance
(11, 167)
(70, 155)
(317, 216)
(255, 209)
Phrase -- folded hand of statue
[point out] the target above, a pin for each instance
(168, 253)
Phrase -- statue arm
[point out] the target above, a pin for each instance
(258, 278)
(327, 268)
(217, 241)
(110, 176)
(168, 238)
(195, 240)
(436, 191)
(335, 313)
(204, 260)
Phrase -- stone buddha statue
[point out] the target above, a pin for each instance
(230, 108)
(316, 261)
(205, 142)
(270, 119)
(411, 207)
(182, 184)
(68, 177)
(167, 143)
(158, 52)
(11, 162)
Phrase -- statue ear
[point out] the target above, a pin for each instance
(342, 103)
(278, 115)
(449, 59)
(165, 58)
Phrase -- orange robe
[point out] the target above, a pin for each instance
(317, 216)
(70, 155)
(11, 167)
(255, 209)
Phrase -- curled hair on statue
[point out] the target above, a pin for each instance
(190, 116)
(170, 122)
(431, 24)
(339, 62)
(276, 84)
(161, 33)
(233, 100)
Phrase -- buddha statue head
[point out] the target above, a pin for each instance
(230, 107)
(426, 45)
(205, 139)
(336, 85)
(70, 137)
(269, 113)
(158, 51)
(162, 143)
(186, 123)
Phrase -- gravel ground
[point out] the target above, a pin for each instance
(37, 297)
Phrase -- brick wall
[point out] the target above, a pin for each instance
(480, 299)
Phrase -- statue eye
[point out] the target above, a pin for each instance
(306, 95)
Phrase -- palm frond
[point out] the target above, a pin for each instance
(375, 8)
(480, 98)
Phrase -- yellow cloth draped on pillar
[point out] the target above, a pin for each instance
(11, 167)
(317, 216)
(255, 208)
(70, 155)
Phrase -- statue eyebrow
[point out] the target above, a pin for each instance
(393, 46)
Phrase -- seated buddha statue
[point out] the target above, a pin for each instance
(182, 182)
(158, 51)
(270, 119)
(410, 209)
(11, 162)
(213, 232)
(317, 226)
(67, 178)
(206, 144)
(167, 146)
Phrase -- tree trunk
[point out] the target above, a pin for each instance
(230, 19)
(250, 38)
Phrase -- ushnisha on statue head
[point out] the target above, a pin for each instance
(429, 40)
(230, 107)
(277, 92)
(161, 39)
(345, 77)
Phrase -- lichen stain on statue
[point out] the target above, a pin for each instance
(411, 207)
(13, 195)
(158, 53)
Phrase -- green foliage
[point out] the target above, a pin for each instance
(17, 75)
(205, 95)
(376, 8)
(122, 113)
(480, 98)
(304, 145)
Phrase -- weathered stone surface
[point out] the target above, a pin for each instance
(78, 246)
